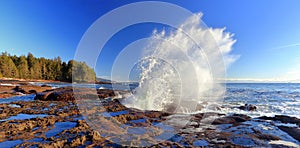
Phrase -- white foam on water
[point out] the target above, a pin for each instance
(25, 116)
(183, 67)
(285, 143)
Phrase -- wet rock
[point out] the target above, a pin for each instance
(248, 107)
(257, 134)
(61, 94)
(13, 89)
(78, 141)
(18, 89)
(96, 136)
(105, 93)
(44, 85)
(6, 95)
(233, 119)
(292, 131)
(32, 91)
(204, 118)
(243, 141)
(200, 143)
(224, 120)
(267, 137)
(69, 94)
(42, 96)
(287, 119)
(283, 119)
(56, 144)
(114, 106)
(240, 117)
(156, 114)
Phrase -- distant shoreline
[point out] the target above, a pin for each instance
(11, 80)
(27, 80)
(5, 80)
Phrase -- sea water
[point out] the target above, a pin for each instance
(269, 98)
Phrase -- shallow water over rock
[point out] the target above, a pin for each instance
(18, 98)
(59, 127)
(11, 143)
(24, 117)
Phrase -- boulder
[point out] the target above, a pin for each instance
(105, 93)
(63, 95)
(60, 94)
(18, 89)
(248, 107)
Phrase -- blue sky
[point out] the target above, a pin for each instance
(267, 32)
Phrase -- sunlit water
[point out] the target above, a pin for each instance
(115, 86)
(269, 98)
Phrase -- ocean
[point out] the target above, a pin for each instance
(269, 98)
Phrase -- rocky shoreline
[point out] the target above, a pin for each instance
(54, 119)
(10, 88)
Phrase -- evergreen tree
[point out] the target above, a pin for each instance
(31, 60)
(69, 70)
(23, 68)
(31, 67)
(82, 73)
(57, 68)
(64, 71)
(36, 71)
(8, 67)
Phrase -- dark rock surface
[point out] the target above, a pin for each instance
(248, 107)
(292, 131)
(69, 94)
(18, 89)
(233, 119)
(283, 119)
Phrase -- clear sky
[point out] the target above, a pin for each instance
(267, 32)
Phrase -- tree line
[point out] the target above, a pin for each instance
(30, 67)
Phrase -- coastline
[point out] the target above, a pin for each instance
(17, 87)
(25, 86)
(57, 110)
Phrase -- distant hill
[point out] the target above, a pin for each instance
(103, 81)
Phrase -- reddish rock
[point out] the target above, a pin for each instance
(78, 141)
(61, 94)
(42, 96)
(105, 93)
(69, 94)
